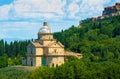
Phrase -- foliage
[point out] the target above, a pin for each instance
(13, 49)
(3, 61)
(79, 69)
(14, 52)
(96, 40)
(42, 73)
(13, 73)
(71, 58)
(15, 61)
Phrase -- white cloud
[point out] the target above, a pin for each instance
(39, 8)
(4, 12)
(4, 35)
(92, 8)
(77, 0)
(73, 8)
(19, 29)
(50, 9)
(33, 9)
(117, 0)
(10, 26)
(23, 16)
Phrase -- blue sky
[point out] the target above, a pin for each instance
(21, 19)
(5, 2)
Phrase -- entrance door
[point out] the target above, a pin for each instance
(43, 61)
(31, 62)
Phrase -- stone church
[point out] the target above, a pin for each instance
(46, 51)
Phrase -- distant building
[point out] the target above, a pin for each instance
(108, 12)
(46, 51)
(112, 9)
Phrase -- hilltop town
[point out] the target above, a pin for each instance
(108, 12)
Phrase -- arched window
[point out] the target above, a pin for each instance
(49, 37)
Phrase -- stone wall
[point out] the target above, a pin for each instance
(38, 61)
(39, 51)
(31, 61)
(54, 61)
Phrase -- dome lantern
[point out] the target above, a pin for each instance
(45, 28)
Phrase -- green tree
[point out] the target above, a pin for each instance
(2, 48)
(116, 31)
(3, 61)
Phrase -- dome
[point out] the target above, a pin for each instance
(45, 28)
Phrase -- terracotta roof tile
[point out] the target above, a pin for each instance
(55, 43)
(36, 44)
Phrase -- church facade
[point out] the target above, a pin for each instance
(45, 51)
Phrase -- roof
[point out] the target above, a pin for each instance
(78, 55)
(36, 44)
(55, 43)
(118, 3)
(61, 44)
(110, 7)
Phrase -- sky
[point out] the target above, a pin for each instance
(22, 19)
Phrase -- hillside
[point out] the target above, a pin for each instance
(98, 41)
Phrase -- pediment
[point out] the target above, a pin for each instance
(34, 44)
(55, 44)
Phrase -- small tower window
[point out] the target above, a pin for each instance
(55, 50)
(49, 37)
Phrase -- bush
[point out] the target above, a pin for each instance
(3, 61)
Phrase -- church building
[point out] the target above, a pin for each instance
(46, 51)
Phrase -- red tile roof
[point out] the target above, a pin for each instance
(36, 44)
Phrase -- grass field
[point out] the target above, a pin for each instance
(15, 72)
